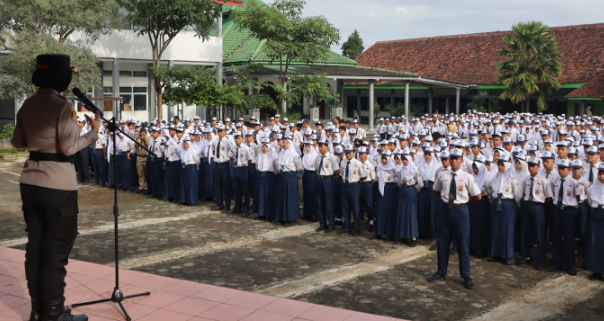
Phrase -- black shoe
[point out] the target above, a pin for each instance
(225, 210)
(434, 247)
(320, 228)
(270, 219)
(390, 238)
(454, 248)
(339, 223)
(287, 224)
(540, 266)
(571, 271)
(412, 243)
(355, 233)
(522, 262)
(371, 228)
(216, 208)
(491, 259)
(375, 237)
(510, 261)
(555, 269)
(436, 277)
(234, 211)
(595, 276)
(468, 284)
(342, 231)
(329, 230)
(140, 191)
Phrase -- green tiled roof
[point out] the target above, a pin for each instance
(239, 46)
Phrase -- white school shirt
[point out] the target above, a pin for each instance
(587, 167)
(170, 149)
(583, 187)
(223, 155)
(294, 166)
(369, 169)
(465, 182)
(542, 188)
(330, 164)
(100, 142)
(356, 170)
(242, 155)
(156, 147)
(571, 189)
(253, 151)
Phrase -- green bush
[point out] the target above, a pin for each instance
(7, 132)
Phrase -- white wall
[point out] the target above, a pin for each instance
(127, 44)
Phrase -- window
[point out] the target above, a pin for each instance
(107, 90)
(139, 74)
(107, 73)
(125, 73)
(134, 98)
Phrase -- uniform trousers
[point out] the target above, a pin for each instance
(156, 182)
(84, 165)
(222, 184)
(52, 226)
(101, 164)
(309, 194)
(172, 178)
(325, 202)
(562, 229)
(454, 224)
(532, 227)
(594, 247)
(351, 201)
(141, 168)
(242, 189)
(367, 200)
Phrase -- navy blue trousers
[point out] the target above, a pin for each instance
(252, 180)
(563, 236)
(264, 202)
(454, 224)
(594, 247)
(156, 183)
(110, 171)
(208, 171)
(425, 211)
(351, 201)
(222, 184)
(309, 194)
(337, 196)
(532, 227)
(367, 200)
(325, 202)
(242, 189)
(172, 178)
(201, 179)
(101, 164)
(480, 226)
(84, 168)
(188, 185)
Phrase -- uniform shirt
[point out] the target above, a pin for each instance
(356, 170)
(294, 166)
(242, 155)
(98, 144)
(465, 182)
(370, 170)
(253, 151)
(570, 190)
(584, 187)
(170, 149)
(361, 133)
(223, 155)
(551, 176)
(140, 151)
(381, 129)
(542, 188)
(329, 166)
(47, 123)
(188, 156)
(587, 167)
(156, 147)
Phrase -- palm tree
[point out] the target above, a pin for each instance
(533, 64)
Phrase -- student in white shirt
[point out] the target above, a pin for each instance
(594, 246)
(367, 188)
(353, 174)
(287, 196)
(267, 167)
(242, 159)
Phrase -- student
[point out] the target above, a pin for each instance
(267, 167)
(208, 165)
(310, 182)
(455, 187)
(567, 195)
(221, 148)
(156, 177)
(406, 219)
(425, 198)
(338, 183)
(188, 182)
(253, 147)
(172, 165)
(353, 174)
(367, 190)
(328, 169)
(242, 158)
(583, 208)
(387, 198)
(287, 195)
(480, 220)
(594, 245)
(536, 190)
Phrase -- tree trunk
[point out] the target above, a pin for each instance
(160, 99)
(528, 104)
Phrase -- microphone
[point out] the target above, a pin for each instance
(87, 102)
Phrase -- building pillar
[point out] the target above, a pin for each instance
(358, 107)
(219, 65)
(371, 102)
(581, 111)
(151, 94)
(522, 106)
(457, 100)
(406, 100)
(447, 106)
(115, 83)
(430, 93)
(284, 103)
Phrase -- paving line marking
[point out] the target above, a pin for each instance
(14, 182)
(127, 225)
(546, 299)
(324, 279)
(9, 172)
(213, 247)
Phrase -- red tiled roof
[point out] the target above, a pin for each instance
(238, 3)
(472, 58)
(593, 89)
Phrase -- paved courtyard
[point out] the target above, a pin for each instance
(354, 273)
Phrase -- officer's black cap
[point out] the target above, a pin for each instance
(53, 71)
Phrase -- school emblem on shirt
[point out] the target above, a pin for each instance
(460, 189)
(537, 191)
(569, 193)
(326, 165)
(388, 178)
(74, 115)
(507, 189)
(222, 148)
(354, 172)
(241, 155)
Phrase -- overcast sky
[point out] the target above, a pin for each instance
(379, 20)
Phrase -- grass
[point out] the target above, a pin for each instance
(594, 307)
(12, 151)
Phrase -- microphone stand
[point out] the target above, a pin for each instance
(117, 296)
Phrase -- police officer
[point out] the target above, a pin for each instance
(47, 127)
(455, 187)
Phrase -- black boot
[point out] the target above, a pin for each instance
(54, 310)
(37, 309)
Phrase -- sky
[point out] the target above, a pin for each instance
(381, 20)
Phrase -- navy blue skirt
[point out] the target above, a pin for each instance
(406, 218)
(594, 247)
(309, 194)
(189, 185)
(480, 227)
(288, 203)
(264, 202)
(208, 176)
(387, 207)
(157, 177)
(110, 172)
(503, 224)
(426, 201)
(200, 179)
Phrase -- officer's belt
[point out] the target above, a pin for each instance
(223, 163)
(50, 157)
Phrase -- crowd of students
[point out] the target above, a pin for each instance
(493, 185)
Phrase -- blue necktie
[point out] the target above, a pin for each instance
(452, 190)
(561, 193)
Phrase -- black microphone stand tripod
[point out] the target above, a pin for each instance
(117, 296)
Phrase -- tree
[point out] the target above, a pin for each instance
(353, 47)
(250, 88)
(191, 85)
(289, 36)
(314, 87)
(532, 64)
(31, 28)
(162, 21)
